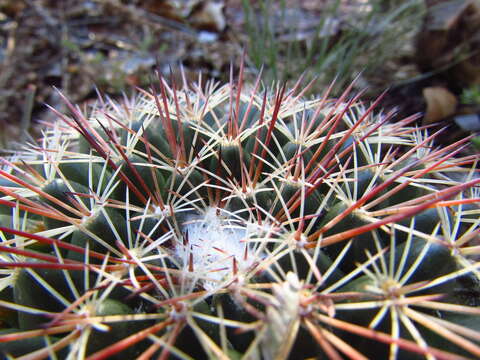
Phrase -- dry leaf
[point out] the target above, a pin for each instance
(451, 38)
(440, 104)
(209, 17)
(444, 15)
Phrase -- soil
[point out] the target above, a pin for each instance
(113, 46)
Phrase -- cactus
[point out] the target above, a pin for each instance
(229, 222)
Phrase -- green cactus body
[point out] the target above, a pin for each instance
(224, 222)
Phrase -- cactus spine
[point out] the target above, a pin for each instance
(227, 222)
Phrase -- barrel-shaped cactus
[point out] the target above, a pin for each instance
(229, 222)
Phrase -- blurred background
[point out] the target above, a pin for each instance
(426, 52)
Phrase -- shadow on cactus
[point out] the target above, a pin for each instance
(227, 222)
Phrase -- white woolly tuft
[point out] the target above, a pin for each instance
(214, 248)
